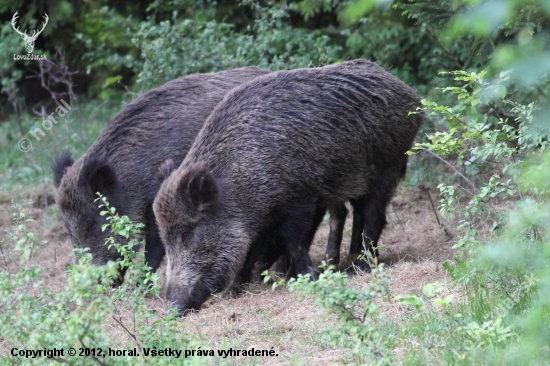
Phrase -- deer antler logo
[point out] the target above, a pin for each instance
(29, 40)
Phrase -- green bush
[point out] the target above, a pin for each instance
(487, 136)
(178, 47)
(492, 137)
(358, 328)
(76, 316)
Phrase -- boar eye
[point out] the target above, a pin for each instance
(185, 235)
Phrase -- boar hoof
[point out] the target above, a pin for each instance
(361, 266)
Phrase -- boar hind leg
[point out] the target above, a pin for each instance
(154, 250)
(369, 219)
(338, 213)
(356, 243)
(298, 228)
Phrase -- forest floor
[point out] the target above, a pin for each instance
(413, 246)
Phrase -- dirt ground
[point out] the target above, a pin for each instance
(412, 245)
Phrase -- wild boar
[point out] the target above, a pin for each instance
(122, 164)
(271, 153)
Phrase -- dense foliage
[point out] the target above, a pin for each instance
(107, 42)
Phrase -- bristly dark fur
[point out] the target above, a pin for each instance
(165, 170)
(59, 166)
(123, 163)
(280, 147)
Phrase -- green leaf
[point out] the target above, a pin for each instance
(415, 301)
(445, 301)
(501, 91)
(112, 80)
(428, 290)
(448, 266)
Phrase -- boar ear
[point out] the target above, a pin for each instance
(199, 187)
(99, 177)
(59, 167)
(165, 170)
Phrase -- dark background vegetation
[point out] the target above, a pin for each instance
(101, 52)
(151, 42)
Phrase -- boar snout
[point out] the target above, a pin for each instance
(186, 299)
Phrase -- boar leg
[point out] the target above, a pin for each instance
(365, 233)
(356, 243)
(338, 213)
(282, 264)
(277, 257)
(154, 250)
(252, 259)
(370, 210)
(298, 228)
(281, 257)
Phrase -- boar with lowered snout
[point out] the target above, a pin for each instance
(271, 154)
(122, 164)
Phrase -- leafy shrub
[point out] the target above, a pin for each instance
(356, 310)
(36, 318)
(488, 137)
(175, 48)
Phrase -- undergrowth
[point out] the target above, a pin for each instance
(494, 309)
(76, 316)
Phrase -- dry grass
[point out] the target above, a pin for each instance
(413, 246)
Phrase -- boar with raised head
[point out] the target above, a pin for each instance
(122, 164)
(272, 152)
